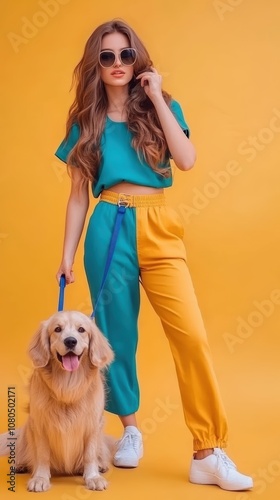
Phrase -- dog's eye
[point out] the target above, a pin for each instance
(81, 329)
(58, 329)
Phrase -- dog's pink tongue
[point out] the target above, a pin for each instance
(70, 362)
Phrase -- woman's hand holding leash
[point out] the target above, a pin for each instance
(65, 269)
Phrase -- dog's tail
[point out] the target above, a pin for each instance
(6, 439)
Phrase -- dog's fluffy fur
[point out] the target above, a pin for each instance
(63, 433)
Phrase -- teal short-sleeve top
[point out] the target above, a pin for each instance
(120, 161)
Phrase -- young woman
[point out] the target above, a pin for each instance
(122, 130)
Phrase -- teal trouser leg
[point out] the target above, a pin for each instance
(118, 308)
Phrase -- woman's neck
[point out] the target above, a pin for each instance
(117, 97)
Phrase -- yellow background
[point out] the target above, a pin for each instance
(220, 59)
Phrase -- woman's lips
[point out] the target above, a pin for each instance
(118, 74)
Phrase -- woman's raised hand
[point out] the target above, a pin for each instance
(151, 82)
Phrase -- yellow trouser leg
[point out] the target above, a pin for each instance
(167, 282)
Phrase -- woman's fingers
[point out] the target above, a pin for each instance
(151, 81)
(69, 276)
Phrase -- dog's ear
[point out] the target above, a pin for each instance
(100, 352)
(39, 347)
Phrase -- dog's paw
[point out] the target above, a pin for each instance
(38, 484)
(97, 483)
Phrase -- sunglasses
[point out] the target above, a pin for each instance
(107, 58)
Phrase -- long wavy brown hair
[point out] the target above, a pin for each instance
(89, 108)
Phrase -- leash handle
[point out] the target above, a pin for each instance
(62, 284)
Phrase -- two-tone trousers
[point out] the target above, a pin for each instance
(150, 252)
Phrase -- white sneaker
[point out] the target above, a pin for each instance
(219, 469)
(129, 448)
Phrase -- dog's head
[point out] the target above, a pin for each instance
(66, 337)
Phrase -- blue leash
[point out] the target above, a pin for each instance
(62, 284)
(114, 237)
(112, 246)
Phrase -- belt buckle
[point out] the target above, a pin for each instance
(123, 201)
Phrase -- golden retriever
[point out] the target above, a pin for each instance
(63, 433)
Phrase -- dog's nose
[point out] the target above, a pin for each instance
(70, 342)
